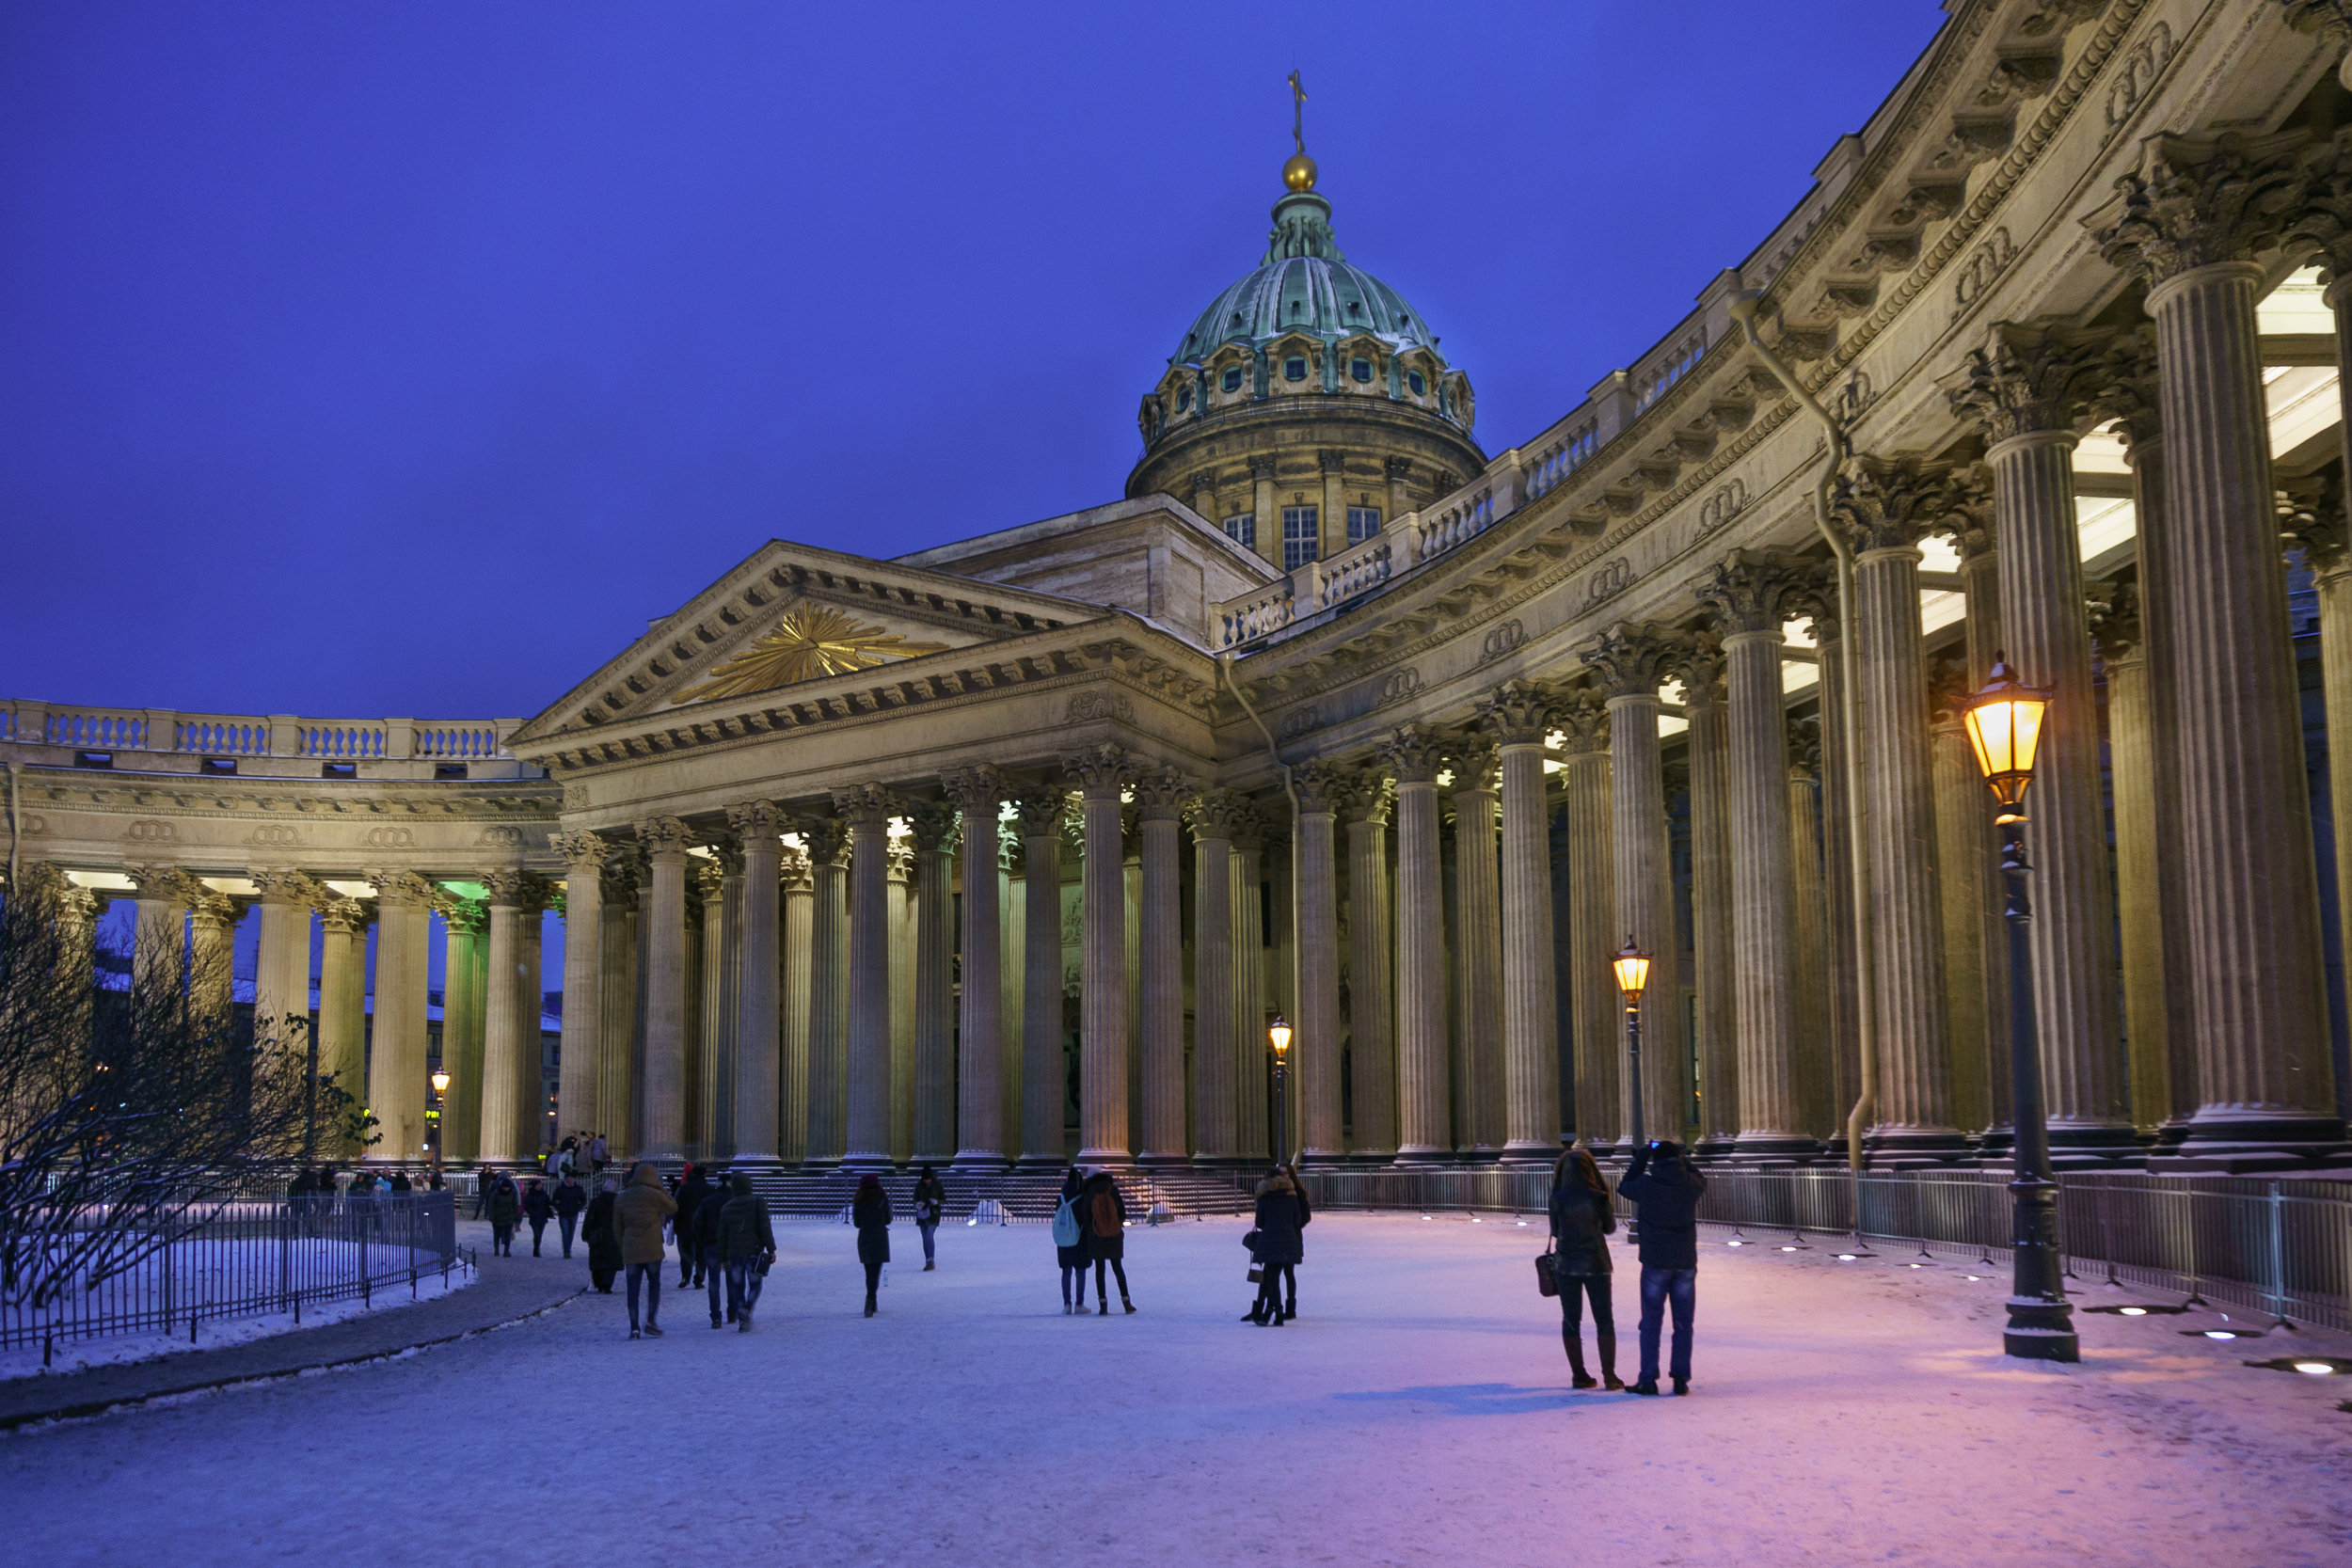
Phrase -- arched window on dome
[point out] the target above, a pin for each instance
(1360, 368)
(1232, 379)
(1183, 399)
(1294, 367)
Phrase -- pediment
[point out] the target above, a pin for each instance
(792, 614)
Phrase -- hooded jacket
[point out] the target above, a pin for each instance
(638, 1213)
(1666, 1210)
(744, 1231)
(1283, 1214)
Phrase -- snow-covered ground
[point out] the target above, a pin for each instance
(1419, 1412)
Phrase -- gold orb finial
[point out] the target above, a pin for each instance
(1299, 172)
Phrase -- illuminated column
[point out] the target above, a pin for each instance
(1160, 797)
(343, 1013)
(1040, 812)
(160, 931)
(1251, 1084)
(1102, 771)
(464, 1007)
(1371, 952)
(584, 980)
(617, 1036)
(1316, 1076)
(665, 841)
(1216, 1139)
(935, 1063)
(1715, 1006)
(759, 826)
(902, 898)
(510, 1036)
(1480, 1110)
(979, 795)
(281, 970)
(212, 953)
(1596, 1019)
(1838, 1060)
(1809, 1067)
(1981, 574)
(796, 988)
(1517, 716)
(867, 809)
(1425, 1091)
(721, 887)
(396, 1072)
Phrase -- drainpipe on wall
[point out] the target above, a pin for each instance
(1742, 308)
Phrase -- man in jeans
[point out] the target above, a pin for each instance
(636, 1216)
(1665, 1192)
(747, 1243)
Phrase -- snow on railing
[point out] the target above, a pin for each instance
(241, 734)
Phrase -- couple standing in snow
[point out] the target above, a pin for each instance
(1665, 1192)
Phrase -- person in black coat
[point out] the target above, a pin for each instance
(569, 1198)
(869, 1211)
(931, 1205)
(690, 1194)
(1102, 1217)
(1582, 1223)
(701, 1231)
(604, 1240)
(1279, 1247)
(538, 1209)
(1665, 1193)
(1072, 1254)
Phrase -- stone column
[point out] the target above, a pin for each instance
(1518, 717)
(1012, 952)
(343, 1013)
(159, 934)
(396, 1055)
(510, 1023)
(1750, 593)
(1716, 1026)
(281, 970)
(866, 809)
(1980, 570)
(1839, 1052)
(2025, 389)
(1269, 517)
(212, 953)
(1102, 772)
(934, 1059)
(1315, 1077)
(1216, 1140)
(1887, 505)
(1630, 660)
(584, 980)
(1809, 1069)
(1251, 1136)
(1398, 469)
(2184, 224)
(1961, 811)
(716, 883)
(1424, 1099)
(902, 898)
(1370, 950)
(703, 892)
(618, 1038)
(1160, 797)
(980, 794)
(1596, 1015)
(759, 826)
(796, 987)
(1041, 810)
(1332, 522)
(2131, 748)
(828, 841)
(1482, 1124)
(665, 841)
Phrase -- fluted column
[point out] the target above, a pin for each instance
(1519, 716)
(1980, 570)
(212, 953)
(1809, 1067)
(663, 1114)
(282, 968)
(706, 984)
(1630, 660)
(160, 926)
(980, 794)
(584, 980)
(900, 920)
(722, 999)
(1838, 1059)
(617, 1050)
(828, 841)
(1316, 1048)
(1371, 1040)
(1424, 1098)
(1102, 771)
(1715, 1027)
(465, 1021)
(1961, 817)
(866, 809)
(2140, 913)
(1750, 593)
(2025, 389)
(2184, 224)
(759, 826)
(396, 1075)
(796, 989)
(933, 1065)
(510, 1035)
(1215, 1135)
(1887, 505)
(1041, 810)
(1480, 1127)
(344, 1012)
(1252, 1133)
(1596, 1017)
(1160, 797)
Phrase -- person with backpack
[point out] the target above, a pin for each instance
(1665, 1193)
(1279, 1248)
(1105, 1213)
(869, 1211)
(1582, 1223)
(746, 1248)
(538, 1209)
(930, 1202)
(701, 1230)
(570, 1197)
(1070, 1242)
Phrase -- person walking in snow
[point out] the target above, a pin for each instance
(1103, 1212)
(603, 1237)
(930, 1202)
(701, 1229)
(690, 1194)
(567, 1200)
(538, 1209)
(1070, 1242)
(599, 1155)
(869, 1211)
(1279, 1247)
(636, 1216)
(1665, 1193)
(505, 1208)
(747, 1247)
(1582, 1223)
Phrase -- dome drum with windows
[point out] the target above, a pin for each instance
(1309, 404)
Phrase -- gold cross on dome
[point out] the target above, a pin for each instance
(1298, 112)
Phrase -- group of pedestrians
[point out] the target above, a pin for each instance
(1276, 1246)
(1090, 1227)
(725, 1240)
(1664, 1190)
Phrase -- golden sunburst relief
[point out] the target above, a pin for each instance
(809, 643)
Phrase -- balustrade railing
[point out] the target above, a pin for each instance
(239, 735)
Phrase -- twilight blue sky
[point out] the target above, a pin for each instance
(367, 358)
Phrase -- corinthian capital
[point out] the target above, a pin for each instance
(1584, 725)
(1886, 503)
(1517, 713)
(1042, 810)
(1413, 755)
(2125, 387)
(866, 807)
(514, 887)
(1320, 786)
(583, 852)
(399, 887)
(2311, 514)
(1102, 771)
(977, 791)
(756, 818)
(2199, 199)
(1632, 657)
(934, 825)
(664, 835)
(1751, 590)
(2029, 378)
(1161, 794)
(828, 840)
(2330, 19)
(278, 886)
(346, 917)
(793, 872)
(1369, 798)
(1212, 812)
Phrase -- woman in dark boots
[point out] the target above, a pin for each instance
(1103, 1214)
(869, 1211)
(1582, 1223)
(1280, 1249)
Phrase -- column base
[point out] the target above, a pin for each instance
(1529, 1156)
(1422, 1157)
(1320, 1159)
(2246, 1146)
(1775, 1147)
(762, 1160)
(813, 1162)
(1916, 1145)
(868, 1161)
(1375, 1159)
(2093, 1138)
(1165, 1162)
(974, 1162)
(1115, 1159)
(1043, 1164)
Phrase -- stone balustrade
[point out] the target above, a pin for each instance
(277, 745)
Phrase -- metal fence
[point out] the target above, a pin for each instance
(252, 1256)
(2282, 1248)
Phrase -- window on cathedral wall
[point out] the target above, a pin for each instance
(1241, 528)
(1302, 541)
(1362, 523)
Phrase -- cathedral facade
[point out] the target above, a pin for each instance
(1009, 850)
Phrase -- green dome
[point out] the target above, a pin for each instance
(1304, 285)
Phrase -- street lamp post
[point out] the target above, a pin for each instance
(1632, 967)
(441, 1121)
(1279, 1034)
(2003, 723)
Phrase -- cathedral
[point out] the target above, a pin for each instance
(1016, 849)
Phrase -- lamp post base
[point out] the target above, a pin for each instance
(2028, 1338)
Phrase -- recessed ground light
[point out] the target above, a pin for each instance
(1522, 1225)
(1976, 1276)
(2316, 1369)
(1787, 1249)
(1918, 1265)
(1734, 1244)
(2133, 1311)
(1475, 1220)
(2220, 1333)
(1848, 1257)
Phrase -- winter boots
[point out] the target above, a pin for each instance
(1608, 1345)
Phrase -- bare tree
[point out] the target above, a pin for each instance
(128, 1119)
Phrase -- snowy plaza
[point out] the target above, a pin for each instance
(1418, 1411)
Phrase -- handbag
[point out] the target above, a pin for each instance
(1257, 1273)
(1545, 1281)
